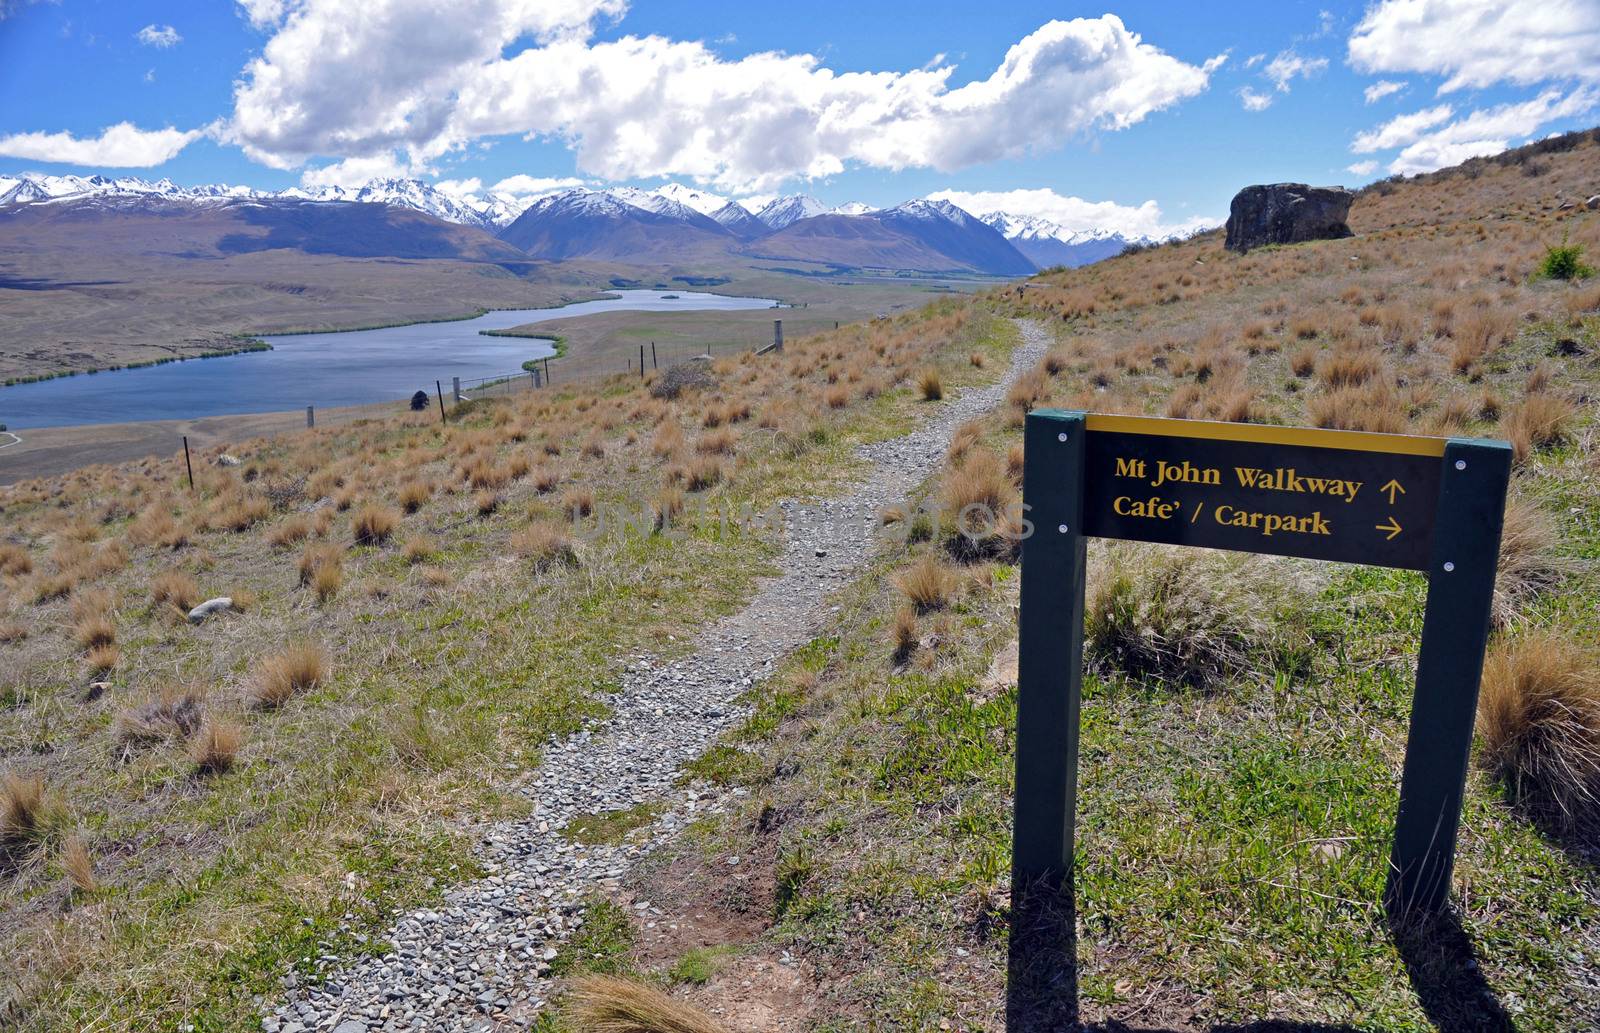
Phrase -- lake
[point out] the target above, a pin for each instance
(353, 367)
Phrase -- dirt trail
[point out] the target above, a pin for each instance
(480, 960)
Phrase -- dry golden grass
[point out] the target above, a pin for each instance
(667, 507)
(326, 581)
(93, 631)
(279, 678)
(22, 808)
(215, 747)
(292, 531)
(1539, 724)
(174, 588)
(14, 560)
(904, 633)
(1529, 565)
(546, 544)
(931, 385)
(1538, 421)
(418, 549)
(486, 502)
(577, 503)
(78, 864)
(610, 1004)
(374, 525)
(414, 494)
(927, 584)
(977, 494)
(175, 713)
(102, 659)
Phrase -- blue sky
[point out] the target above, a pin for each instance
(1175, 104)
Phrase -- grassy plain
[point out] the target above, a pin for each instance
(192, 812)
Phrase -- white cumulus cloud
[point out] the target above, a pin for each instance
(1288, 66)
(1362, 168)
(1075, 213)
(1491, 130)
(123, 145)
(1401, 130)
(1254, 100)
(356, 172)
(523, 185)
(1478, 43)
(162, 36)
(1381, 89)
(328, 85)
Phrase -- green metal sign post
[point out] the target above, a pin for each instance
(1379, 499)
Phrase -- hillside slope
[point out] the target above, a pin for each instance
(245, 807)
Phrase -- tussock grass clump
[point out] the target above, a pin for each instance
(545, 544)
(174, 588)
(316, 557)
(577, 503)
(610, 1004)
(374, 525)
(419, 549)
(931, 385)
(216, 747)
(78, 864)
(1539, 723)
(94, 630)
(1538, 421)
(980, 500)
(666, 508)
(176, 713)
(1529, 565)
(927, 584)
(22, 809)
(281, 677)
(1191, 619)
(1348, 368)
(15, 561)
(291, 531)
(102, 659)
(703, 472)
(903, 633)
(486, 502)
(415, 494)
(326, 582)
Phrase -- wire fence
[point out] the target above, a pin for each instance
(544, 373)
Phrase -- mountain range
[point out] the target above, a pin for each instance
(669, 224)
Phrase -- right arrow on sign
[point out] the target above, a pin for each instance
(1392, 487)
(1393, 527)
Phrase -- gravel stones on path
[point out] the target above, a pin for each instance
(480, 960)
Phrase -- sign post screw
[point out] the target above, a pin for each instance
(1449, 565)
(1062, 436)
(1461, 464)
(1062, 528)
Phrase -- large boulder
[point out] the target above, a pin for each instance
(1287, 213)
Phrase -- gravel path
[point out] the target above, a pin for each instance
(480, 960)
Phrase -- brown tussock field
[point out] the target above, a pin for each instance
(388, 651)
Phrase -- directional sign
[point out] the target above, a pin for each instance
(1381, 499)
(1287, 491)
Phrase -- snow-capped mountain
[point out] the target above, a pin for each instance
(786, 210)
(921, 233)
(699, 200)
(1050, 244)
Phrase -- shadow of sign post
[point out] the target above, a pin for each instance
(1384, 500)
